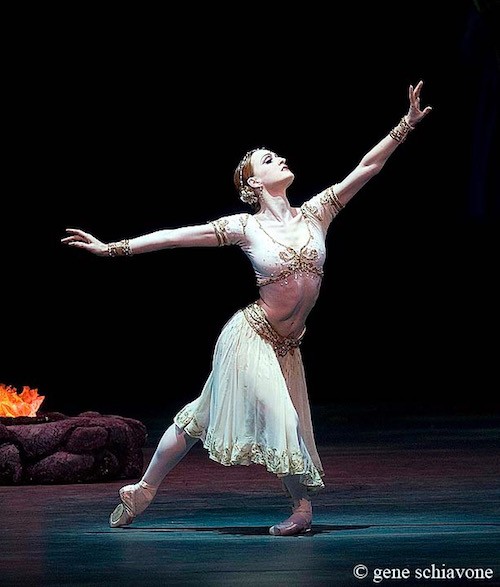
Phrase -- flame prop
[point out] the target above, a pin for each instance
(13, 404)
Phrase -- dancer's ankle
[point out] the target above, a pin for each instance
(148, 487)
(303, 507)
(302, 504)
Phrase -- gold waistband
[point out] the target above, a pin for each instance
(257, 319)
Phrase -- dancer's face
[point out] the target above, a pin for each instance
(271, 170)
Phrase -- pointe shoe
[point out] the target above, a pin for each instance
(298, 523)
(135, 499)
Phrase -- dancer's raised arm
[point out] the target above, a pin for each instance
(376, 158)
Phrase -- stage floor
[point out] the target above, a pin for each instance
(419, 501)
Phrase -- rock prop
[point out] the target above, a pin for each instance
(59, 449)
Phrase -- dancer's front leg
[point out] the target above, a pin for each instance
(173, 446)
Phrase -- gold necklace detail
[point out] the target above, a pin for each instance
(296, 262)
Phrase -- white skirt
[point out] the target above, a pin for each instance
(254, 407)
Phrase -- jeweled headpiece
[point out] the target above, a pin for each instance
(247, 194)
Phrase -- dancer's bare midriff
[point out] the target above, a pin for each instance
(287, 303)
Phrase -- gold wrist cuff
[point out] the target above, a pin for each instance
(400, 132)
(120, 249)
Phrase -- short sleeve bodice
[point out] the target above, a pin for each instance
(273, 261)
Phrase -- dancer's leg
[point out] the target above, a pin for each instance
(173, 446)
(301, 518)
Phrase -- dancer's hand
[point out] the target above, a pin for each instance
(83, 240)
(415, 113)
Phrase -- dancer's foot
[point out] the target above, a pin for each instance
(135, 499)
(298, 523)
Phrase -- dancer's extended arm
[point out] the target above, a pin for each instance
(202, 235)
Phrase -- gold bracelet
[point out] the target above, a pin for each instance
(400, 132)
(120, 249)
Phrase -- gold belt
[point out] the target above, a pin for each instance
(257, 319)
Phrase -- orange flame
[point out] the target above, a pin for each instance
(13, 404)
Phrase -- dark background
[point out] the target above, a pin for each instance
(129, 122)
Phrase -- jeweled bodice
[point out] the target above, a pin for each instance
(274, 260)
(286, 262)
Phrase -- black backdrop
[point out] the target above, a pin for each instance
(125, 123)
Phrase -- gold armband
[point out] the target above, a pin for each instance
(400, 132)
(220, 229)
(120, 249)
(330, 197)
